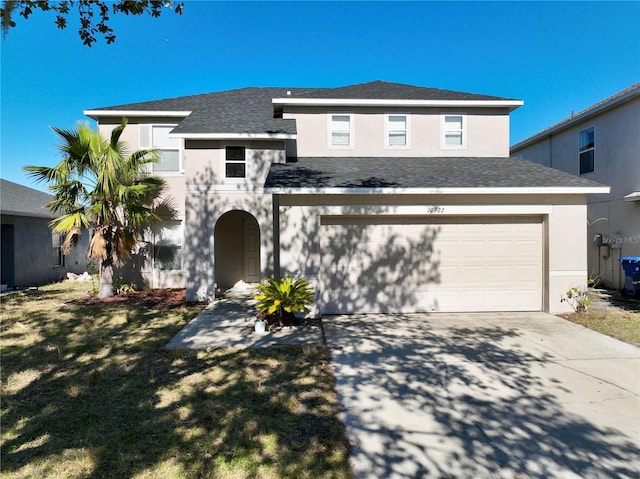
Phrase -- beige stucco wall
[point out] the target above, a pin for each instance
(564, 249)
(617, 164)
(487, 132)
(204, 207)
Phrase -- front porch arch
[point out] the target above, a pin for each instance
(236, 249)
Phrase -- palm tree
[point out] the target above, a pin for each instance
(98, 184)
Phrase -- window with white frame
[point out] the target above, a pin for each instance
(397, 127)
(340, 130)
(587, 149)
(453, 131)
(167, 245)
(235, 162)
(57, 258)
(168, 148)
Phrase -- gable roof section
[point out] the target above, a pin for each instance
(255, 112)
(380, 93)
(625, 95)
(19, 200)
(244, 112)
(423, 175)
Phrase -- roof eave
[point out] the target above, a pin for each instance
(234, 136)
(581, 116)
(95, 114)
(510, 104)
(529, 190)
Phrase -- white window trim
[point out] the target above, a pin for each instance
(149, 127)
(223, 169)
(588, 149)
(330, 144)
(443, 131)
(387, 131)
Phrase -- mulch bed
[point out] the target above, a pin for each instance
(159, 299)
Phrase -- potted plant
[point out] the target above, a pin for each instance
(279, 300)
(260, 326)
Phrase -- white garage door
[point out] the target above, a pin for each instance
(423, 264)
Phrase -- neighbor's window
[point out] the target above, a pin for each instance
(167, 245)
(340, 134)
(235, 165)
(587, 150)
(57, 258)
(397, 131)
(168, 148)
(453, 131)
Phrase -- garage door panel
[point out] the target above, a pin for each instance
(411, 264)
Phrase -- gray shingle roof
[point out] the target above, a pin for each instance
(438, 172)
(20, 200)
(381, 90)
(244, 110)
(250, 110)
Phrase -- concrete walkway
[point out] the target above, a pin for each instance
(228, 323)
(485, 396)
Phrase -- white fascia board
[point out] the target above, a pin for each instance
(554, 190)
(512, 104)
(635, 196)
(136, 113)
(234, 136)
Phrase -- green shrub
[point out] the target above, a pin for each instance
(279, 300)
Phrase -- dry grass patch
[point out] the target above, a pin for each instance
(89, 391)
(616, 317)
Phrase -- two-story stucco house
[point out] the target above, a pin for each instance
(388, 197)
(601, 143)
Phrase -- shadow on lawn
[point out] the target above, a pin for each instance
(96, 396)
(471, 406)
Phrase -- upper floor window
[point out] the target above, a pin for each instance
(57, 258)
(235, 163)
(168, 148)
(340, 130)
(587, 150)
(453, 131)
(397, 131)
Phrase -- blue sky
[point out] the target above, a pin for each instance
(557, 57)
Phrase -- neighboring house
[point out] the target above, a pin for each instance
(601, 143)
(388, 197)
(31, 253)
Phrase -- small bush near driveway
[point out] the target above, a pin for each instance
(89, 391)
(611, 314)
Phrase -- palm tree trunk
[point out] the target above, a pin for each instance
(106, 280)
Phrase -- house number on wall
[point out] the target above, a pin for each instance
(435, 209)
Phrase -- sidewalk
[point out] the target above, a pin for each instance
(228, 323)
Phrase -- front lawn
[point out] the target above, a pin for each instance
(89, 391)
(612, 315)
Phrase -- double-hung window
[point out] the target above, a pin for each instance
(587, 149)
(168, 149)
(235, 162)
(341, 130)
(167, 245)
(397, 131)
(453, 131)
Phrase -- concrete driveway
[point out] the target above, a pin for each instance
(517, 395)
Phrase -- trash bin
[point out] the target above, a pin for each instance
(631, 267)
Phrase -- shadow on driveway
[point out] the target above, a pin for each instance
(524, 395)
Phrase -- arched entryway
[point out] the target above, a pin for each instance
(236, 249)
